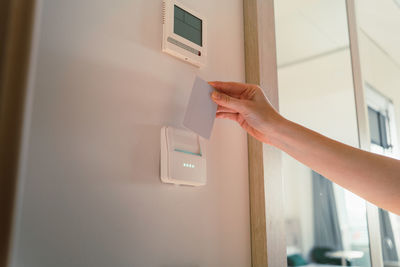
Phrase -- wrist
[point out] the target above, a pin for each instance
(276, 130)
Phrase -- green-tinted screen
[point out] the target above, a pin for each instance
(187, 26)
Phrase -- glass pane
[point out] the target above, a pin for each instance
(379, 40)
(325, 224)
(374, 126)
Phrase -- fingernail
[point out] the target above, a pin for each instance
(216, 95)
(213, 84)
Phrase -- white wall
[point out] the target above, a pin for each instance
(90, 194)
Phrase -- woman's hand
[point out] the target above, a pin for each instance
(247, 105)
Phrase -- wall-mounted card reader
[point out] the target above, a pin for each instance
(184, 33)
(183, 157)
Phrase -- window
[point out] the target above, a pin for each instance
(377, 127)
(382, 125)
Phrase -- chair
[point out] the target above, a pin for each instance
(318, 256)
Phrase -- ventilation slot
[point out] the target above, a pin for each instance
(163, 12)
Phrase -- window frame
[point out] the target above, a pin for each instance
(363, 129)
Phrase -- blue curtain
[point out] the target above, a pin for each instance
(326, 222)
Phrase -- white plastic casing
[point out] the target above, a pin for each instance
(183, 158)
(178, 46)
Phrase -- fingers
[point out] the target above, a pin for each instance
(225, 109)
(228, 101)
(230, 116)
(230, 88)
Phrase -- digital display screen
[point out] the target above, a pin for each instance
(187, 26)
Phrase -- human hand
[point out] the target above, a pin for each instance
(247, 105)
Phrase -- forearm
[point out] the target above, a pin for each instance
(371, 176)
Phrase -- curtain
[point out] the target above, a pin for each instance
(326, 222)
(389, 251)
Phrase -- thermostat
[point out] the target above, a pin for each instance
(184, 33)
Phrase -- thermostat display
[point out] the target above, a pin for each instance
(184, 33)
(187, 25)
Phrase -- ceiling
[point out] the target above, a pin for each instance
(310, 28)
(380, 21)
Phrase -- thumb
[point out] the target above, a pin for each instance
(227, 101)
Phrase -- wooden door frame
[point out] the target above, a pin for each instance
(268, 244)
(15, 42)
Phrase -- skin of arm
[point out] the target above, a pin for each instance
(373, 177)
